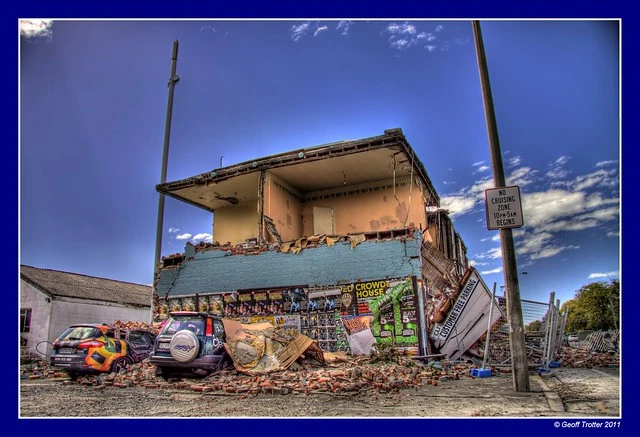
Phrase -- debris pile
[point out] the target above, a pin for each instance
(578, 357)
(154, 327)
(341, 375)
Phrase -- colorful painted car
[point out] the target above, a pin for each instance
(95, 348)
(190, 342)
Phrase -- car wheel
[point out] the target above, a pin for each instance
(119, 365)
(184, 346)
(73, 376)
(162, 372)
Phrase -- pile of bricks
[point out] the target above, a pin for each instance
(137, 325)
(577, 357)
(349, 377)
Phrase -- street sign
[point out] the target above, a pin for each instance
(504, 209)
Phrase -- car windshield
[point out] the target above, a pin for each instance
(192, 323)
(80, 333)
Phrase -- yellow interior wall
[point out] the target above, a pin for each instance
(284, 209)
(236, 223)
(432, 235)
(370, 211)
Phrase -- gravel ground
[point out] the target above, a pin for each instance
(585, 393)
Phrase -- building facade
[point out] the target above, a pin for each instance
(328, 240)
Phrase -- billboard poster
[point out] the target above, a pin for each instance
(260, 302)
(216, 305)
(348, 302)
(189, 303)
(408, 318)
(354, 324)
(287, 324)
(203, 304)
(385, 325)
(231, 305)
(468, 318)
(276, 302)
(260, 319)
(163, 309)
(395, 314)
(245, 301)
(392, 303)
(175, 304)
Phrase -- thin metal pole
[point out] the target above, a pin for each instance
(549, 330)
(486, 345)
(173, 79)
(519, 366)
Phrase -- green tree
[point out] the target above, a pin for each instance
(536, 325)
(596, 306)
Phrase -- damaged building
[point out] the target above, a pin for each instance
(327, 241)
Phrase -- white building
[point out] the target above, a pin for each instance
(52, 300)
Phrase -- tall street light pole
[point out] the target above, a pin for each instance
(173, 79)
(519, 367)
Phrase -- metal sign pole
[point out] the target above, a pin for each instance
(486, 346)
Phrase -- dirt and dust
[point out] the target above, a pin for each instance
(587, 391)
(584, 392)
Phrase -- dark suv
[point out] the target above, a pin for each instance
(190, 342)
(95, 348)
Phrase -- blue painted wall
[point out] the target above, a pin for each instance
(213, 271)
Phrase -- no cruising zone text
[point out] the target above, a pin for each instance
(504, 209)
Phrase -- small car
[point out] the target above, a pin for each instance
(90, 349)
(190, 342)
(572, 337)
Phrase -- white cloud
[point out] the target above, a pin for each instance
(173, 230)
(482, 169)
(35, 28)
(405, 35)
(548, 252)
(557, 170)
(603, 275)
(299, 30)
(401, 29)
(457, 205)
(522, 176)
(494, 253)
(208, 27)
(605, 163)
(546, 206)
(184, 236)
(439, 28)
(319, 29)
(491, 272)
(541, 245)
(514, 162)
(400, 44)
(558, 206)
(445, 46)
(203, 237)
(600, 178)
(474, 263)
(345, 26)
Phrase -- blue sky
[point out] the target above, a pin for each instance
(93, 98)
